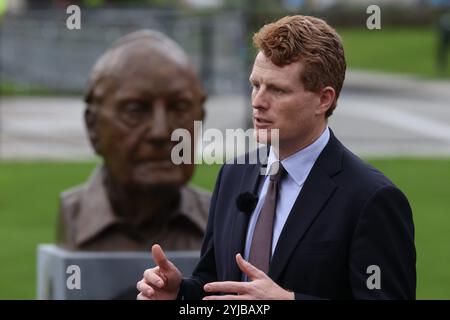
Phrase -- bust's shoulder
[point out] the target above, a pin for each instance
(201, 196)
(70, 199)
(92, 189)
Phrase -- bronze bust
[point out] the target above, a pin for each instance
(139, 91)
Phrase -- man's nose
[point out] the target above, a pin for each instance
(159, 126)
(259, 99)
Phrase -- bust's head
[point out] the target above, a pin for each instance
(140, 90)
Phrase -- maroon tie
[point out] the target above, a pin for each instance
(261, 247)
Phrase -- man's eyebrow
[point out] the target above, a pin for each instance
(277, 85)
(270, 83)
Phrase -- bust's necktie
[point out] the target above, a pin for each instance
(261, 246)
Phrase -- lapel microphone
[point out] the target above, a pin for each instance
(246, 202)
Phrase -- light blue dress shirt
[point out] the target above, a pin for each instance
(297, 167)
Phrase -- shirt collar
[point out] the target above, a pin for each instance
(96, 214)
(299, 164)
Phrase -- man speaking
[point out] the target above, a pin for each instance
(325, 225)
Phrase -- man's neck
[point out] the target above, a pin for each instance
(288, 148)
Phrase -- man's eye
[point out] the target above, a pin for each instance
(255, 86)
(277, 90)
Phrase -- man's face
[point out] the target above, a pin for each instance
(280, 101)
(142, 104)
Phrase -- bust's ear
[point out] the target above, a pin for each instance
(90, 120)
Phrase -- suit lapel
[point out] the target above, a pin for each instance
(302, 215)
(238, 234)
(318, 188)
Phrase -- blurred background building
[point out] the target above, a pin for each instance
(40, 55)
(39, 52)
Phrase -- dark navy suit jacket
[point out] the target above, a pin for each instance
(347, 217)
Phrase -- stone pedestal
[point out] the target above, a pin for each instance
(63, 274)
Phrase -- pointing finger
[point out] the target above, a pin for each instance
(160, 258)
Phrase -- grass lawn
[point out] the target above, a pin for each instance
(400, 50)
(28, 206)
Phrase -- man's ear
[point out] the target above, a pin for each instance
(90, 120)
(327, 96)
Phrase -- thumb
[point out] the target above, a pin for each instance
(160, 258)
(250, 270)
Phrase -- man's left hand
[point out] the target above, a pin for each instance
(261, 287)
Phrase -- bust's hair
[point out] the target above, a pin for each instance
(156, 40)
(148, 35)
(311, 41)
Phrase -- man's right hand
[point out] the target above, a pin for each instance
(161, 282)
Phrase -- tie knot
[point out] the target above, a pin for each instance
(277, 171)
